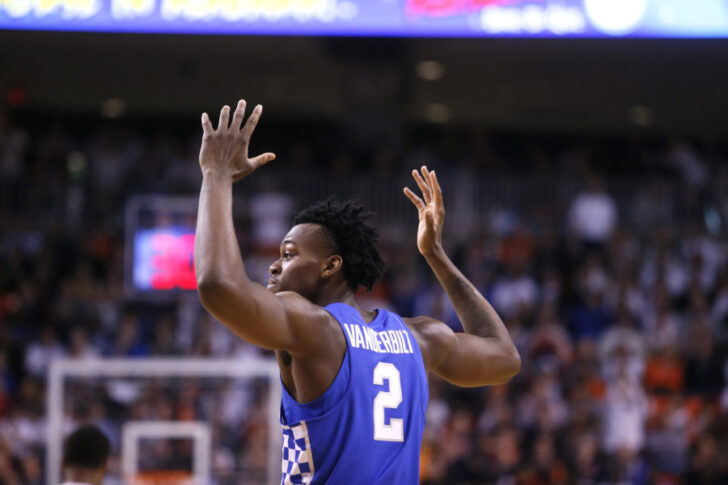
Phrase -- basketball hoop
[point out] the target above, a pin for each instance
(163, 477)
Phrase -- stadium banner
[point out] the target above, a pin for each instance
(416, 18)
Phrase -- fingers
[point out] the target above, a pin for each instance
(425, 174)
(224, 118)
(207, 128)
(426, 178)
(252, 121)
(262, 159)
(237, 121)
(435, 184)
(238, 115)
(426, 194)
(415, 200)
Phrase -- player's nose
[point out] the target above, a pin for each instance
(275, 268)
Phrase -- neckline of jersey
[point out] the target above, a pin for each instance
(376, 321)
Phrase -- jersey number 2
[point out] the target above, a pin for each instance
(394, 431)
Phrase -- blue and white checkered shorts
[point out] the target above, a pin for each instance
(297, 459)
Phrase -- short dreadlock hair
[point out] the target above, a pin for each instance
(351, 236)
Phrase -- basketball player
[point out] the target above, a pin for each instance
(85, 456)
(354, 381)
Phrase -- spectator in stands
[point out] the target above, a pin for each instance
(624, 415)
(128, 342)
(622, 347)
(591, 318)
(704, 368)
(549, 340)
(707, 462)
(688, 164)
(593, 215)
(41, 352)
(270, 211)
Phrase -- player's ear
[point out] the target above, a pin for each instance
(331, 266)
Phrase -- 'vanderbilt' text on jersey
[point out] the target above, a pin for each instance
(367, 427)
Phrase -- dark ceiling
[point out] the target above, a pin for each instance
(666, 86)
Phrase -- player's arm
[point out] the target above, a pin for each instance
(247, 308)
(485, 353)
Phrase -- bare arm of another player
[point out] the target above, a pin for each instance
(274, 321)
(485, 354)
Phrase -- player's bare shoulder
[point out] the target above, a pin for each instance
(435, 339)
(299, 307)
(310, 321)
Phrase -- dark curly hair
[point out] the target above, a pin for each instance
(351, 236)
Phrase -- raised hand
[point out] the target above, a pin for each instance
(431, 211)
(225, 149)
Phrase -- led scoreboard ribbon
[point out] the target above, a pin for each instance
(445, 18)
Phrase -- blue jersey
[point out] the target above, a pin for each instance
(367, 427)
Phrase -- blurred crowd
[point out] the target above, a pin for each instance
(619, 305)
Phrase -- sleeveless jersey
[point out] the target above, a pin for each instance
(367, 427)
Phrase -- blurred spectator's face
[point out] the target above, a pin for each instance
(703, 344)
(544, 450)
(462, 422)
(78, 339)
(506, 448)
(304, 251)
(705, 454)
(586, 451)
(32, 468)
(127, 331)
(164, 333)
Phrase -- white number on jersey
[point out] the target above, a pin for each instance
(394, 431)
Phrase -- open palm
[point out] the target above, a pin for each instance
(225, 149)
(431, 210)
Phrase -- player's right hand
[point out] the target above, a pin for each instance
(225, 150)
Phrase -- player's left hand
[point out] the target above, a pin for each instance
(225, 149)
(431, 211)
